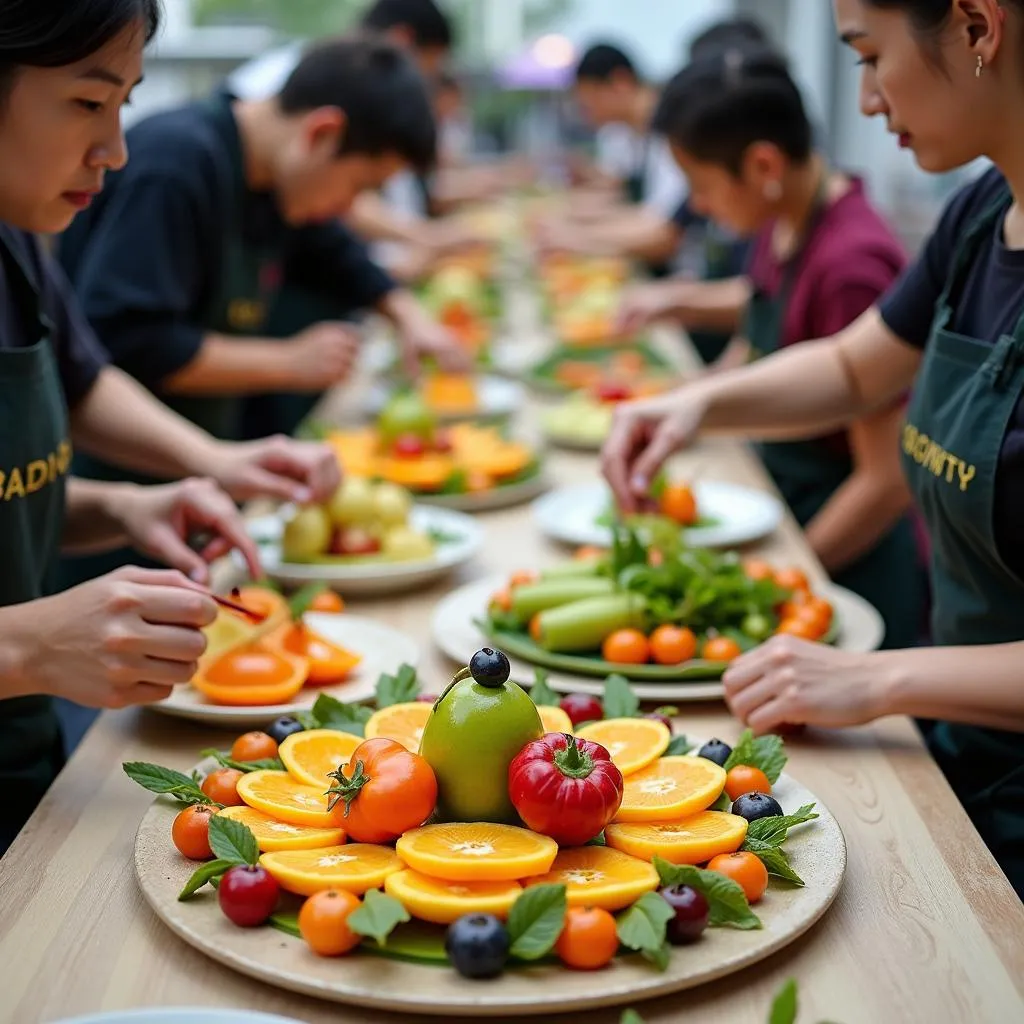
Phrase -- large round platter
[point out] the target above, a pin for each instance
(817, 852)
(502, 496)
(383, 650)
(498, 399)
(461, 536)
(180, 1015)
(736, 515)
(860, 629)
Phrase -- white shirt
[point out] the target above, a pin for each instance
(622, 153)
(265, 76)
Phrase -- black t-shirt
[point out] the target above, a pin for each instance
(80, 358)
(990, 304)
(146, 258)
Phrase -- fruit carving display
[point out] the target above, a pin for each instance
(461, 295)
(496, 843)
(604, 376)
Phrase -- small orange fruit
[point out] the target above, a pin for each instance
(792, 579)
(327, 601)
(323, 922)
(589, 939)
(626, 647)
(672, 645)
(757, 569)
(746, 870)
(678, 503)
(802, 628)
(745, 778)
(721, 648)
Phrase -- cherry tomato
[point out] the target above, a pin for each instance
(502, 601)
(535, 628)
(745, 869)
(327, 601)
(800, 628)
(678, 504)
(588, 553)
(672, 645)
(191, 832)
(523, 578)
(815, 617)
(588, 940)
(745, 778)
(757, 569)
(790, 607)
(253, 746)
(792, 579)
(581, 707)
(626, 647)
(477, 482)
(221, 787)
(721, 648)
(247, 895)
(323, 922)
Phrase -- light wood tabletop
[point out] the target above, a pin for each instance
(925, 929)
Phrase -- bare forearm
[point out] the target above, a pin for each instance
(232, 366)
(90, 520)
(712, 305)
(736, 354)
(637, 233)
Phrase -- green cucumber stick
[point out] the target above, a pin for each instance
(531, 598)
(581, 569)
(583, 625)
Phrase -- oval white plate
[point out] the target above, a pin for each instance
(570, 515)
(382, 649)
(861, 630)
(498, 399)
(181, 1015)
(373, 578)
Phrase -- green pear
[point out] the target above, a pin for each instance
(307, 534)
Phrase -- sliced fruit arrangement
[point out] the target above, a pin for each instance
(583, 296)
(584, 417)
(511, 843)
(604, 371)
(461, 295)
(652, 610)
(407, 447)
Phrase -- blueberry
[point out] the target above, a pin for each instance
(715, 750)
(284, 727)
(692, 912)
(756, 805)
(477, 945)
(490, 668)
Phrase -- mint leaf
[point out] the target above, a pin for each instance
(660, 957)
(678, 746)
(727, 901)
(225, 760)
(166, 781)
(774, 830)
(542, 694)
(643, 927)
(764, 752)
(331, 713)
(536, 920)
(598, 840)
(774, 859)
(784, 1007)
(286, 922)
(631, 1017)
(299, 602)
(207, 873)
(401, 689)
(619, 699)
(232, 841)
(723, 803)
(378, 917)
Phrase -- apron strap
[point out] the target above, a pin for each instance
(967, 250)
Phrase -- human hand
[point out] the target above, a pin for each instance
(422, 337)
(322, 355)
(159, 521)
(123, 639)
(642, 305)
(787, 681)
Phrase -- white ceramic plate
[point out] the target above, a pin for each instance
(563, 431)
(860, 630)
(741, 515)
(181, 1015)
(489, 501)
(382, 649)
(374, 578)
(498, 399)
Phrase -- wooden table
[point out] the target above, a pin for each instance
(926, 928)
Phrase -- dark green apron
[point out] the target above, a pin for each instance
(35, 456)
(808, 473)
(964, 397)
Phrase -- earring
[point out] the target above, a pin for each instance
(980, 67)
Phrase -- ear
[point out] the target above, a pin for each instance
(324, 128)
(981, 23)
(401, 35)
(763, 164)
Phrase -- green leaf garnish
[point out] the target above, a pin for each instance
(723, 803)
(232, 841)
(598, 840)
(773, 858)
(784, 1006)
(378, 917)
(643, 928)
(330, 713)
(678, 746)
(764, 752)
(225, 760)
(300, 601)
(541, 692)
(631, 1017)
(536, 920)
(775, 829)
(207, 873)
(166, 781)
(727, 901)
(619, 700)
(398, 689)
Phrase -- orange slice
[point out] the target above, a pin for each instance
(670, 789)
(595, 876)
(273, 835)
(555, 720)
(356, 868)
(312, 755)
(280, 796)
(633, 743)
(401, 722)
(693, 840)
(433, 899)
(476, 852)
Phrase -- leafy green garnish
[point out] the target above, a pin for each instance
(775, 829)
(166, 781)
(723, 803)
(643, 928)
(598, 840)
(287, 922)
(620, 700)
(727, 901)
(631, 1017)
(299, 603)
(440, 537)
(774, 859)
(678, 746)
(211, 870)
(379, 915)
(398, 689)
(225, 760)
(330, 713)
(784, 1006)
(764, 752)
(233, 844)
(536, 920)
(541, 692)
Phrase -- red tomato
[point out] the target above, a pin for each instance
(565, 788)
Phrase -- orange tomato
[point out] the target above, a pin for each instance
(672, 645)
(745, 778)
(824, 610)
(678, 503)
(478, 482)
(799, 599)
(815, 616)
(626, 647)
(502, 601)
(523, 578)
(221, 787)
(327, 601)
(253, 746)
(323, 922)
(588, 940)
(745, 869)
(386, 790)
(721, 648)
(535, 632)
(792, 579)
(588, 553)
(801, 628)
(191, 832)
(757, 569)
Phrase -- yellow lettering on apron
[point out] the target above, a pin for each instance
(909, 438)
(15, 486)
(3, 478)
(51, 467)
(37, 476)
(63, 457)
(966, 475)
(932, 456)
(245, 315)
(935, 459)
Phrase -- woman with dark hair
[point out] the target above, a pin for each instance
(948, 76)
(127, 638)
